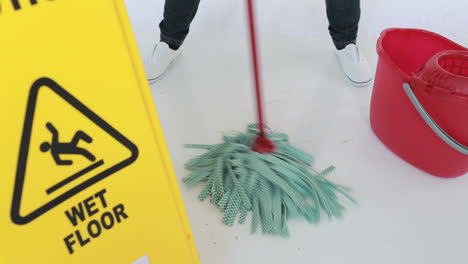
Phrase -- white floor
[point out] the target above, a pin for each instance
(404, 215)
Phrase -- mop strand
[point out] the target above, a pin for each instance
(260, 173)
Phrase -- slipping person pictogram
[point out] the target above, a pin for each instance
(58, 148)
(84, 167)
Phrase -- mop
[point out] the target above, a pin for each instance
(259, 173)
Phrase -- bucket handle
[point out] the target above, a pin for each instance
(432, 124)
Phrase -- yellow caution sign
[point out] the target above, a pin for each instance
(85, 173)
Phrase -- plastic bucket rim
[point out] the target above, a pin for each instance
(384, 55)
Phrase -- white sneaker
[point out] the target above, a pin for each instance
(161, 58)
(354, 65)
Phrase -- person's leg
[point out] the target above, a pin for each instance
(343, 17)
(178, 14)
(81, 135)
(85, 153)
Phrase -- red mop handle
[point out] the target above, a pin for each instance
(262, 144)
(258, 87)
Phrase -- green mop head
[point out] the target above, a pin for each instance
(274, 187)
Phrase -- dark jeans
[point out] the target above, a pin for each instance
(343, 17)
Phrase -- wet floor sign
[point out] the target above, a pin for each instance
(85, 174)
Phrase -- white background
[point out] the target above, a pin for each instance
(405, 216)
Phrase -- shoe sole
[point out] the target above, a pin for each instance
(358, 84)
(155, 80)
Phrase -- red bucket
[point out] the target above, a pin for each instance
(419, 107)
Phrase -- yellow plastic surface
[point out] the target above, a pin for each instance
(85, 176)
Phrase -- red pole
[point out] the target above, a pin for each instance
(262, 144)
(258, 89)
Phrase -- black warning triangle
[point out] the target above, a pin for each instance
(25, 144)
